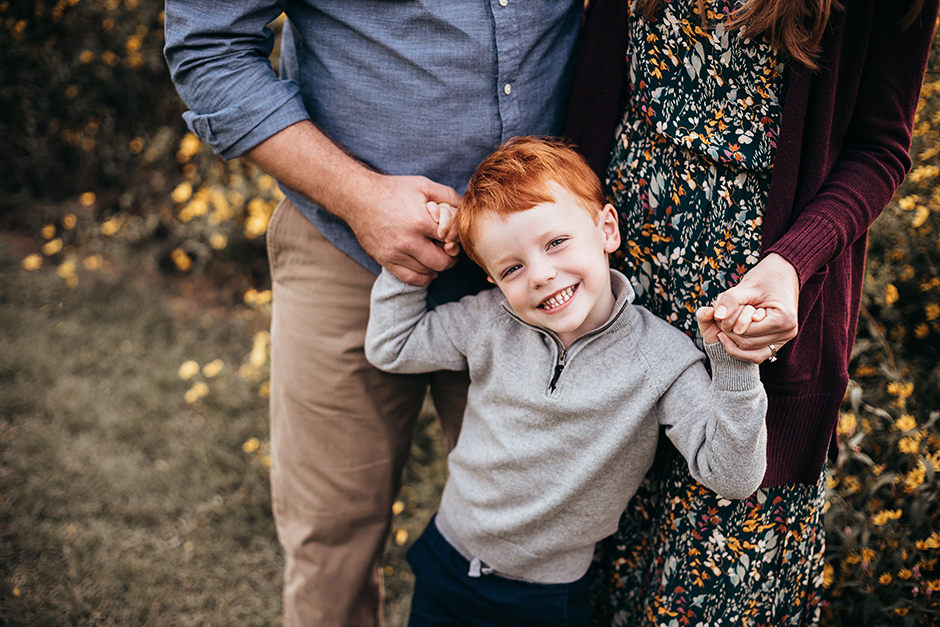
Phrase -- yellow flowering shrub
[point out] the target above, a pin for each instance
(882, 515)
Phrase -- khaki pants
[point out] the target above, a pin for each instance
(340, 429)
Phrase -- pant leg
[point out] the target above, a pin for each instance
(340, 429)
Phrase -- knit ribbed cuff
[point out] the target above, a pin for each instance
(729, 373)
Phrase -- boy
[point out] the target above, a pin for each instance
(569, 387)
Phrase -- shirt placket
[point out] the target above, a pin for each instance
(506, 16)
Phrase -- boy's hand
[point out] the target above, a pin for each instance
(707, 326)
(711, 331)
(444, 215)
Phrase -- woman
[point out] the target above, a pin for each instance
(755, 143)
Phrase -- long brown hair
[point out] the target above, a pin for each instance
(794, 26)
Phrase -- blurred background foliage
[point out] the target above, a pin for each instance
(101, 184)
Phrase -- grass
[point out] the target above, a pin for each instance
(120, 503)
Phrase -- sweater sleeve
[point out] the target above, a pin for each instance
(404, 337)
(218, 58)
(719, 425)
(873, 157)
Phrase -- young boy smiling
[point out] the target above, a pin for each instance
(570, 385)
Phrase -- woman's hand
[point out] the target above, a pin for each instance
(759, 315)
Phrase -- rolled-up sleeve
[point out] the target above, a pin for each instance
(217, 53)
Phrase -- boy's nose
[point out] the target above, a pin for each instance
(542, 274)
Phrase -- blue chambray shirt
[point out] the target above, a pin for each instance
(409, 87)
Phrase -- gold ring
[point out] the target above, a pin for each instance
(773, 353)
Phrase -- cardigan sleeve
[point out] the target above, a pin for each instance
(874, 155)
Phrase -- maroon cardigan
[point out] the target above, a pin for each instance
(842, 151)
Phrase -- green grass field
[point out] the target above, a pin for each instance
(120, 503)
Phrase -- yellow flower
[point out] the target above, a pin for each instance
(401, 536)
(196, 392)
(933, 311)
(181, 259)
(48, 231)
(31, 262)
(891, 294)
(212, 368)
(934, 585)
(908, 445)
(903, 390)
(920, 216)
(259, 351)
(851, 484)
(52, 247)
(868, 555)
(832, 482)
(265, 390)
(87, 199)
(905, 573)
(921, 331)
(908, 202)
(866, 370)
(136, 145)
(87, 57)
(69, 222)
(885, 515)
(218, 241)
(110, 227)
(901, 611)
(251, 445)
(828, 575)
(182, 192)
(397, 508)
(92, 262)
(254, 297)
(188, 370)
(189, 145)
(905, 423)
(923, 172)
(933, 542)
(266, 462)
(915, 478)
(847, 424)
(885, 579)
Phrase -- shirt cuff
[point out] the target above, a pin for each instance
(235, 130)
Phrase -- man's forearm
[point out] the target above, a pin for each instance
(388, 214)
(303, 158)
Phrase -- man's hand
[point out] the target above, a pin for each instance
(388, 214)
(761, 310)
(394, 227)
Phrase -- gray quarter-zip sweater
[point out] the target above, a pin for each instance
(554, 442)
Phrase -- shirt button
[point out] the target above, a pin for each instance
(507, 89)
(503, 3)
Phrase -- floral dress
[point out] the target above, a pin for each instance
(689, 175)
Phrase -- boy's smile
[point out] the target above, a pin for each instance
(550, 262)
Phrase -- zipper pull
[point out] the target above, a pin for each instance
(558, 368)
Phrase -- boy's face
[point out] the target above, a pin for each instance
(550, 262)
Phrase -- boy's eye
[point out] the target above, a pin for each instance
(557, 242)
(509, 270)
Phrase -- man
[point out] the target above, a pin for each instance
(380, 107)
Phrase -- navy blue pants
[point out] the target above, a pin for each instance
(446, 595)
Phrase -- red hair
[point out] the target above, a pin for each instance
(516, 177)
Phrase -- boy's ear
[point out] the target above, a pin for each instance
(490, 279)
(611, 230)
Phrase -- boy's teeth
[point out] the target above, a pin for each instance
(558, 299)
